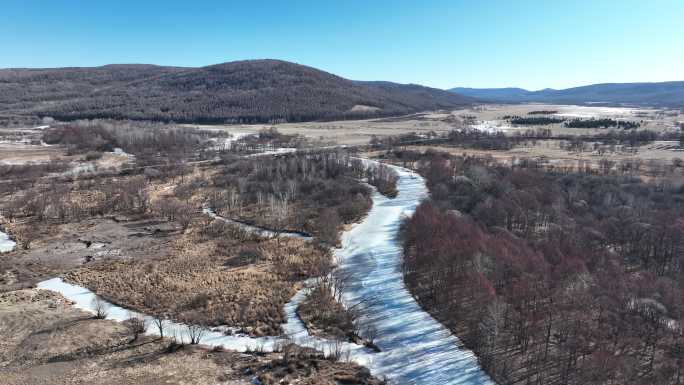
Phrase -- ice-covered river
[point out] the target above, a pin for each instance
(415, 348)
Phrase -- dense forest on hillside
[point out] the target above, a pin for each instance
(552, 278)
(254, 91)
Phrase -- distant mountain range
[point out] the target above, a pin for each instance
(665, 94)
(252, 91)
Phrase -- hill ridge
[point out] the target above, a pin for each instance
(655, 94)
(245, 91)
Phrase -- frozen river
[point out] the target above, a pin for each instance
(415, 348)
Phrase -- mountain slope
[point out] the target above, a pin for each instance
(244, 91)
(641, 94)
(25, 86)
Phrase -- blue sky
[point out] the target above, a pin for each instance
(441, 43)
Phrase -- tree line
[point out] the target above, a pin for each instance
(468, 137)
(602, 123)
(535, 120)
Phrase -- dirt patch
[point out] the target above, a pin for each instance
(37, 326)
(57, 248)
(21, 153)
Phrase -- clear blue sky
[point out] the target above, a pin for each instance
(441, 43)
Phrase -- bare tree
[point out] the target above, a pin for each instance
(101, 307)
(136, 325)
(195, 333)
(339, 282)
(159, 321)
(370, 332)
(184, 216)
(25, 235)
(336, 350)
(292, 188)
(233, 199)
(328, 224)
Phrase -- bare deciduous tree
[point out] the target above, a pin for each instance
(101, 308)
(370, 332)
(136, 325)
(159, 321)
(328, 224)
(195, 333)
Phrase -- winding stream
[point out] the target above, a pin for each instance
(415, 348)
(258, 230)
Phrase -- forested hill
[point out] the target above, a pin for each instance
(666, 94)
(244, 91)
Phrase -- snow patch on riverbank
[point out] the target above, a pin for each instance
(6, 243)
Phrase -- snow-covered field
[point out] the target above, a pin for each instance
(493, 118)
(492, 126)
(415, 348)
(598, 112)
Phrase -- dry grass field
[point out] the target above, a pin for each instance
(357, 132)
(551, 153)
(216, 279)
